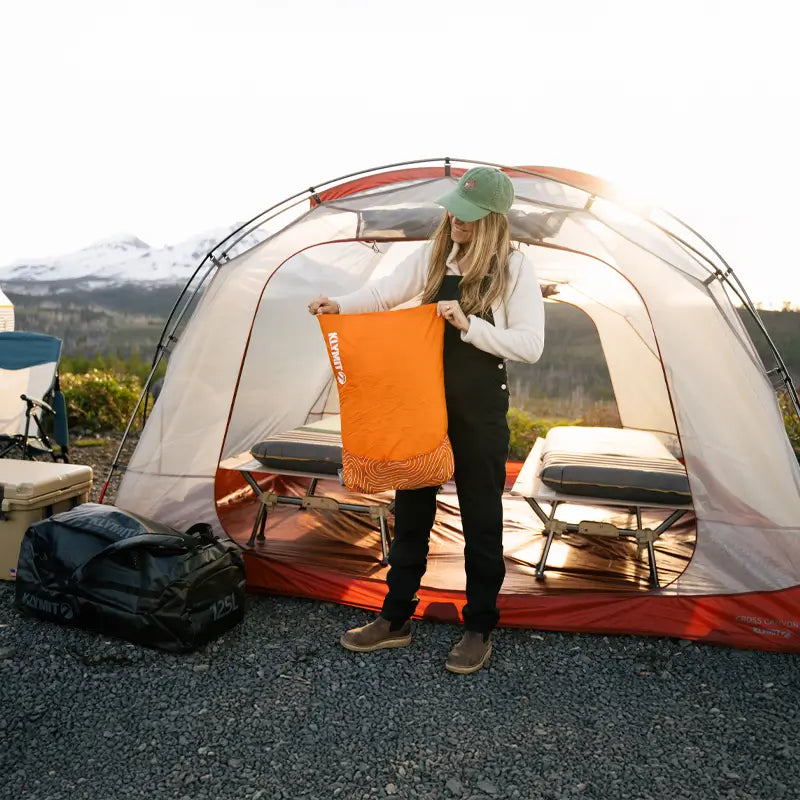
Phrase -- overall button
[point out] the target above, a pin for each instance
(500, 365)
(502, 386)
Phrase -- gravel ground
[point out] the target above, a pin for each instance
(276, 709)
(98, 452)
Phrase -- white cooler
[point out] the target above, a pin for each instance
(31, 491)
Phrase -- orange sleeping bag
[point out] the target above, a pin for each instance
(388, 370)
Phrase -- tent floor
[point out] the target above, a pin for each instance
(324, 554)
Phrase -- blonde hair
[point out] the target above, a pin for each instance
(483, 263)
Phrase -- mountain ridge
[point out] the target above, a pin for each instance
(120, 259)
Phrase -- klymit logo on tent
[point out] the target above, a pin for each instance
(759, 625)
(333, 344)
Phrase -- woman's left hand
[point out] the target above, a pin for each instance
(451, 311)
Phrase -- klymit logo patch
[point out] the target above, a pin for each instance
(51, 607)
(338, 369)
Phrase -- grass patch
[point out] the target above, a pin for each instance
(90, 442)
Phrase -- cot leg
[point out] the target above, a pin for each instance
(384, 542)
(260, 521)
(256, 525)
(551, 532)
(386, 535)
(259, 524)
(651, 556)
(651, 550)
(670, 521)
(540, 567)
(263, 523)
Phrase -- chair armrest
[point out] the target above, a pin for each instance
(40, 403)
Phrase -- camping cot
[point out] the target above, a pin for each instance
(610, 466)
(683, 368)
(313, 452)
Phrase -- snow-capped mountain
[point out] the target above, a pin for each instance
(124, 259)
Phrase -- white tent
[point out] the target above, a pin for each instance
(250, 363)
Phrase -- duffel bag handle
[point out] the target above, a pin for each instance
(180, 541)
(203, 531)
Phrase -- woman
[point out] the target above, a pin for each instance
(488, 294)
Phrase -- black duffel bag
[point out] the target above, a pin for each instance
(107, 570)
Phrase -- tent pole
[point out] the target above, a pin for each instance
(161, 350)
(729, 277)
(114, 463)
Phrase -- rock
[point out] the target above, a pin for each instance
(454, 786)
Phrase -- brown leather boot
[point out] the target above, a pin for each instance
(470, 654)
(375, 636)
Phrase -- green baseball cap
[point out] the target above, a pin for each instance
(480, 191)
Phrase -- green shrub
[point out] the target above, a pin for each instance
(525, 429)
(792, 423)
(81, 365)
(100, 401)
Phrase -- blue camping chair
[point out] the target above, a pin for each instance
(31, 403)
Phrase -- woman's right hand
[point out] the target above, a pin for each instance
(323, 305)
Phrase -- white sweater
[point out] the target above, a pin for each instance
(518, 330)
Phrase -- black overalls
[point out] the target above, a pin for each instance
(477, 402)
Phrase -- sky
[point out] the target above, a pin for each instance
(168, 118)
